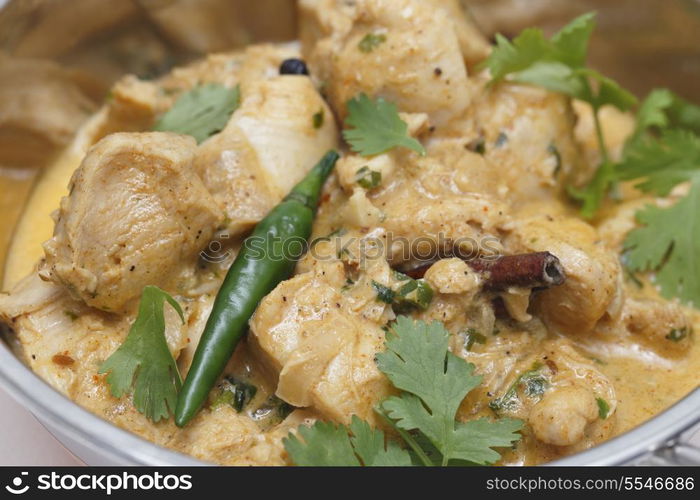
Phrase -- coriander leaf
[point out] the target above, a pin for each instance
(662, 109)
(415, 362)
(685, 115)
(652, 111)
(143, 363)
(568, 47)
(558, 65)
(511, 57)
(370, 446)
(435, 382)
(475, 439)
(571, 41)
(325, 444)
(554, 76)
(201, 112)
(370, 42)
(376, 127)
(669, 243)
(662, 164)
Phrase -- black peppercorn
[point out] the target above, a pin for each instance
(293, 67)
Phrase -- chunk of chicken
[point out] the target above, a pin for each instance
(593, 287)
(224, 436)
(616, 126)
(422, 207)
(528, 377)
(267, 147)
(136, 215)
(322, 351)
(472, 42)
(561, 417)
(577, 390)
(133, 107)
(658, 323)
(526, 136)
(453, 276)
(417, 62)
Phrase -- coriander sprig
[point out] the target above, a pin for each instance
(668, 241)
(143, 364)
(559, 64)
(662, 152)
(433, 383)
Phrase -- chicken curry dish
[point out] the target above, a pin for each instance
(390, 242)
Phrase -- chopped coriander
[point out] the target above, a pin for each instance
(471, 337)
(501, 140)
(554, 151)
(415, 294)
(368, 179)
(337, 233)
(603, 408)
(370, 42)
(143, 364)
(478, 146)
(235, 393)
(376, 127)
(384, 293)
(677, 334)
(399, 276)
(201, 112)
(317, 119)
(412, 295)
(533, 382)
(73, 316)
(341, 231)
(348, 284)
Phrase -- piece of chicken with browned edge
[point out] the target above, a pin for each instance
(136, 215)
(407, 51)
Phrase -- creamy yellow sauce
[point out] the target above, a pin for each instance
(15, 185)
(35, 224)
(647, 386)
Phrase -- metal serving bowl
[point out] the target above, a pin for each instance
(642, 43)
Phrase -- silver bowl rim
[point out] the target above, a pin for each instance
(122, 447)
